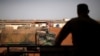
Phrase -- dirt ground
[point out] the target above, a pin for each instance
(67, 41)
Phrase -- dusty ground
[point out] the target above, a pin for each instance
(67, 41)
(22, 32)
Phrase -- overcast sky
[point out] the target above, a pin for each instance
(45, 9)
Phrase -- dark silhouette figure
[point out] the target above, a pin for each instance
(85, 32)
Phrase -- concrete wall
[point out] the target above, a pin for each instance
(60, 25)
(40, 25)
(14, 26)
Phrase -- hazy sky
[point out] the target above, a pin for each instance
(45, 9)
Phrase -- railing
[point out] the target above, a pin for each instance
(43, 50)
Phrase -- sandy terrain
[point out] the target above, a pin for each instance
(67, 41)
(20, 34)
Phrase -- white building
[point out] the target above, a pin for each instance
(15, 25)
(59, 23)
(66, 19)
(40, 23)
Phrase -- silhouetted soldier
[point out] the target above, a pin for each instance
(85, 32)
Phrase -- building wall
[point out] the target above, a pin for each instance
(60, 25)
(14, 26)
(36, 25)
(43, 24)
(40, 24)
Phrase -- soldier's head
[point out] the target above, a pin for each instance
(82, 9)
